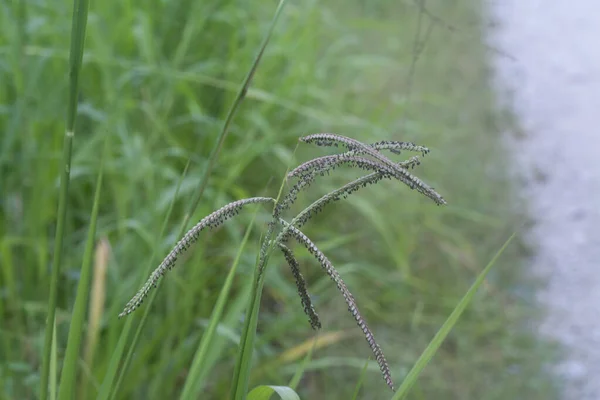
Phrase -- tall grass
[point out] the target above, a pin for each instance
(108, 383)
(159, 79)
(79, 22)
(68, 376)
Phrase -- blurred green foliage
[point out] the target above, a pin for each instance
(158, 78)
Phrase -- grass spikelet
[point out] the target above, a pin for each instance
(333, 139)
(307, 305)
(352, 307)
(211, 221)
(330, 139)
(322, 165)
(396, 147)
(308, 171)
(325, 164)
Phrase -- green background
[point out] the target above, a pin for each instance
(158, 79)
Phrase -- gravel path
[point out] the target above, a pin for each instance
(554, 84)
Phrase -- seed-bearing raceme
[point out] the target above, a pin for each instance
(357, 155)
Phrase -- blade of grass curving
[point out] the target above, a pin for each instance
(115, 360)
(69, 371)
(264, 392)
(361, 378)
(193, 382)
(300, 370)
(439, 337)
(204, 180)
(232, 111)
(79, 21)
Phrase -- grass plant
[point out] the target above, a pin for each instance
(193, 121)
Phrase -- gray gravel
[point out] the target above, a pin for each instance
(553, 84)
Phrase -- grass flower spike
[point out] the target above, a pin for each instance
(360, 156)
(213, 220)
(309, 309)
(352, 307)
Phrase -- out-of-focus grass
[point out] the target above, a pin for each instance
(159, 77)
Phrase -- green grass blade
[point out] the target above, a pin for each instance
(241, 373)
(129, 356)
(79, 21)
(360, 380)
(53, 365)
(241, 94)
(264, 392)
(193, 380)
(115, 360)
(69, 371)
(300, 370)
(439, 337)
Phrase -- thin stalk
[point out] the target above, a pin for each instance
(204, 180)
(79, 21)
(361, 378)
(243, 363)
(241, 94)
(69, 371)
(54, 365)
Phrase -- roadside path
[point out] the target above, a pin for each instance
(553, 84)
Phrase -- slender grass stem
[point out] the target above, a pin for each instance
(204, 180)
(69, 371)
(79, 22)
(241, 374)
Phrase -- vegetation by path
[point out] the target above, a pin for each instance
(157, 80)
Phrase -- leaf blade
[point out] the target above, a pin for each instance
(439, 337)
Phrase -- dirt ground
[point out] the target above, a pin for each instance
(552, 83)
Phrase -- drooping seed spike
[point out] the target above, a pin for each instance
(329, 139)
(211, 221)
(350, 302)
(307, 304)
(332, 139)
(321, 162)
(399, 171)
(396, 147)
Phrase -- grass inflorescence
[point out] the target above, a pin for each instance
(212, 221)
(306, 172)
